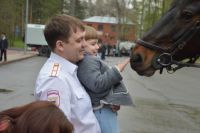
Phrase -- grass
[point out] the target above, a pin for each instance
(18, 43)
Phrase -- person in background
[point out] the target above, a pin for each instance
(57, 81)
(108, 49)
(103, 84)
(103, 51)
(3, 46)
(99, 50)
(35, 117)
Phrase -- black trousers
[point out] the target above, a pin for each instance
(3, 53)
(103, 55)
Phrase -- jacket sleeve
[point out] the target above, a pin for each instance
(93, 78)
(6, 41)
(0, 44)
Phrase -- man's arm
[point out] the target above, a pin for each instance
(57, 91)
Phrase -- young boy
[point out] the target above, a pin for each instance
(103, 84)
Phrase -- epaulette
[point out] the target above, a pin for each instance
(54, 72)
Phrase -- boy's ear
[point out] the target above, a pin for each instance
(4, 124)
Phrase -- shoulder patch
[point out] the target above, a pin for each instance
(54, 72)
(54, 97)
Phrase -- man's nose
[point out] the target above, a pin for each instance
(83, 43)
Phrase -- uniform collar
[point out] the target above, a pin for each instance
(67, 66)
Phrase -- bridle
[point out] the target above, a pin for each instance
(165, 59)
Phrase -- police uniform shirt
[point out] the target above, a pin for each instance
(57, 82)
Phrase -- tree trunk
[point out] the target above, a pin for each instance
(142, 19)
(73, 7)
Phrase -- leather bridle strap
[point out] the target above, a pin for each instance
(179, 44)
(152, 46)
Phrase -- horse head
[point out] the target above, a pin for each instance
(174, 37)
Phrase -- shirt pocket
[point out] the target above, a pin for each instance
(80, 93)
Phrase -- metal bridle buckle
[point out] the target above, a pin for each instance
(165, 59)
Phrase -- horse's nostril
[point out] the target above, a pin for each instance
(136, 58)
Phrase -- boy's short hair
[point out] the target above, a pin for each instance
(90, 33)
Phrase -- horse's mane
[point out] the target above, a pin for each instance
(35, 117)
(181, 3)
(176, 3)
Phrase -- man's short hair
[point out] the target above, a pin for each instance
(60, 27)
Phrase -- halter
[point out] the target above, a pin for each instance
(165, 59)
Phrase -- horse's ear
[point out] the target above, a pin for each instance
(4, 125)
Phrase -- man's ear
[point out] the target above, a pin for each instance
(59, 45)
(4, 125)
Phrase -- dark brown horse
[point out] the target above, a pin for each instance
(174, 38)
(35, 117)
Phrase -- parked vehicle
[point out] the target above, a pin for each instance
(125, 47)
(35, 38)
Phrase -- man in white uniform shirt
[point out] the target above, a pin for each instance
(57, 80)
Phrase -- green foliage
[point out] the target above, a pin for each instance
(12, 14)
(80, 10)
(76, 8)
(19, 15)
(144, 12)
(41, 10)
(7, 17)
(148, 12)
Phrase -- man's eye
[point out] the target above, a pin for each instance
(79, 40)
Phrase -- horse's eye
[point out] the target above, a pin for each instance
(187, 15)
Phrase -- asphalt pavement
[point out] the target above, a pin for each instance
(167, 103)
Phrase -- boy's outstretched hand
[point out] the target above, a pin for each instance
(121, 66)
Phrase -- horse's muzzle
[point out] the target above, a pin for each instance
(135, 60)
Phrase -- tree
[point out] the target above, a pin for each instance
(41, 10)
(77, 8)
(19, 15)
(7, 20)
(148, 12)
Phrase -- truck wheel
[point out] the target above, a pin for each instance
(44, 51)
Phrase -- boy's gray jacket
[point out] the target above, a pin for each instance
(103, 84)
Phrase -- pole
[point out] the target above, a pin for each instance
(26, 24)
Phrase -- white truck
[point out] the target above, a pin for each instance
(35, 38)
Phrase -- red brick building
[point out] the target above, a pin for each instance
(108, 27)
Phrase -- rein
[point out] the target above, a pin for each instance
(165, 59)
